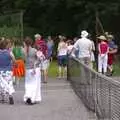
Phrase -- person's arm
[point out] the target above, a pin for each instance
(93, 46)
(99, 51)
(12, 56)
(75, 47)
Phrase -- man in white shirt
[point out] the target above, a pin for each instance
(84, 45)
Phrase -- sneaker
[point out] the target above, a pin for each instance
(45, 82)
(11, 101)
(29, 102)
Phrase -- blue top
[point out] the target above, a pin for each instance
(5, 60)
(50, 48)
(112, 44)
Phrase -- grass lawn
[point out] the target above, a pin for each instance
(53, 68)
(116, 69)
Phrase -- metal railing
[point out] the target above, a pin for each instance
(98, 92)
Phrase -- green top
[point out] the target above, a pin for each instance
(17, 51)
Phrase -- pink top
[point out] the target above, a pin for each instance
(103, 47)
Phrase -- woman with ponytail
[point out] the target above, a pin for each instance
(32, 74)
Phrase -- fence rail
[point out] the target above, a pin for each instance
(99, 93)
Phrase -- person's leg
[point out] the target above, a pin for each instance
(11, 89)
(65, 72)
(65, 66)
(60, 72)
(100, 64)
(45, 70)
(105, 61)
(59, 67)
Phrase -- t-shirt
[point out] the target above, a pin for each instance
(84, 46)
(17, 51)
(62, 49)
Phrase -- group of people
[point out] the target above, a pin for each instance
(28, 59)
(106, 48)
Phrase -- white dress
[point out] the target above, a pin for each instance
(32, 78)
(33, 85)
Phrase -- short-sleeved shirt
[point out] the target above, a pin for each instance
(17, 51)
(84, 46)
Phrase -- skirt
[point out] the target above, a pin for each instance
(19, 68)
(33, 85)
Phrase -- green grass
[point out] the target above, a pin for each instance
(116, 68)
(53, 68)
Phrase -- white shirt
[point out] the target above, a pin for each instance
(70, 47)
(62, 49)
(84, 46)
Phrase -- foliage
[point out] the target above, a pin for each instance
(66, 16)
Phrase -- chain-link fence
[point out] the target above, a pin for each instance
(98, 92)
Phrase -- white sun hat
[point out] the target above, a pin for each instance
(84, 33)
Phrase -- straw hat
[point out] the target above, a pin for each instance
(110, 36)
(101, 37)
(84, 33)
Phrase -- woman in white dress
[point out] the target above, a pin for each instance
(32, 74)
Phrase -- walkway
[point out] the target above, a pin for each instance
(59, 102)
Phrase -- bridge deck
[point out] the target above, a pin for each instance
(59, 102)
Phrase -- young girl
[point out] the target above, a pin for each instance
(62, 59)
(19, 69)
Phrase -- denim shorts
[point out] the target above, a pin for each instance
(62, 60)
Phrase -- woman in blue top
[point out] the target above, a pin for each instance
(6, 62)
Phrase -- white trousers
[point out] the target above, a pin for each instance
(102, 63)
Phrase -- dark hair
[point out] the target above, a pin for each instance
(28, 41)
(3, 44)
(17, 42)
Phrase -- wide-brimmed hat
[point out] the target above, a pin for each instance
(102, 37)
(84, 33)
(110, 36)
(37, 35)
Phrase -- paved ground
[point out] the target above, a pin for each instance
(59, 102)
